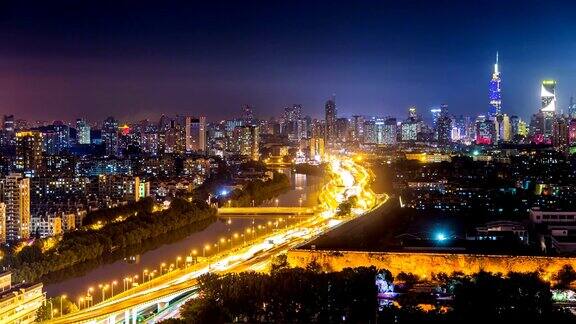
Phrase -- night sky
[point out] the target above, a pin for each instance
(62, 60)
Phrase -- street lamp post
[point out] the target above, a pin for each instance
(178, 260)
(89, 296)
(276, 201)
(204, 249)
(162, 266)
(61, 308)
(114, 283)
(144, 273)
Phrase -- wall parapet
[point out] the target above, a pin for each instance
(426, 264)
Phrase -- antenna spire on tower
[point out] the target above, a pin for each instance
(496, 65)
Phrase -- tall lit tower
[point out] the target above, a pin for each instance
(495, 92)
(330, 115)
(548, 109)
(548, 96)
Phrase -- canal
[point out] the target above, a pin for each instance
(75, 282)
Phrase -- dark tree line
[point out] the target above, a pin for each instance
(297, 295)
(107, 215)
(83, 245)
(258, 190)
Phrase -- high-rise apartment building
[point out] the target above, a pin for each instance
(110, 136)
(390, 131)
(29, 147)
(16, 197)
(245, 141)
(195, 134)
(83, 131)
(330, 118)
(2, 223)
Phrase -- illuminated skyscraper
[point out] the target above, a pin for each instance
(495, 94)
(83, 131)
(330, 113)
(435, 115)
(16, 193)
(195, 134)
(110, 136)
(548, 109)
(548, 96)
(29, 146)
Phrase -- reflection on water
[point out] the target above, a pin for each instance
(167, 248)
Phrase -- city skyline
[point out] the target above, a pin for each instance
(105, 60)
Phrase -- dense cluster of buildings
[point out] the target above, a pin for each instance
(547, 126)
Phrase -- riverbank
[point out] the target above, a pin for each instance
(36, 260)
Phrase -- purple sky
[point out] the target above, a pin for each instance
(135, 60)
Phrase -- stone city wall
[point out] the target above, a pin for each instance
(426, 264)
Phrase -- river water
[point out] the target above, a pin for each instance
(304, 190)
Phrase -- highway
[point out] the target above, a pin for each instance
(347, 178)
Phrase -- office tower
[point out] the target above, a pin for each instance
(409, 130)
(175, 139)
(342, 129)
(522, 128)
(548, 109)
(16, 193)
(110, 136)
(560, 132)
(411, 126)
(514, 126)
(548, 96)
(495, 94)
(485, 130)
(83, 131)
(538, 128)
(504, 128)
(195, 134)
(572, 108)
(303, 128)
(370, 132)
(245, 141)
(62, 132)
(29, 145)
(330, 120)
(436, 112)
(357, 129)
(318, 128)
(444, 129)
(412, 112)
(390, 131)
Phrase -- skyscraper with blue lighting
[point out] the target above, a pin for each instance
(495, 92)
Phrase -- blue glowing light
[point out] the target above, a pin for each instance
(224, 192)
(441, 237)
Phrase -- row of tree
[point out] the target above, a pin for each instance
(32, 263)
(107, 215)
(257, 191)
(297, 295)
